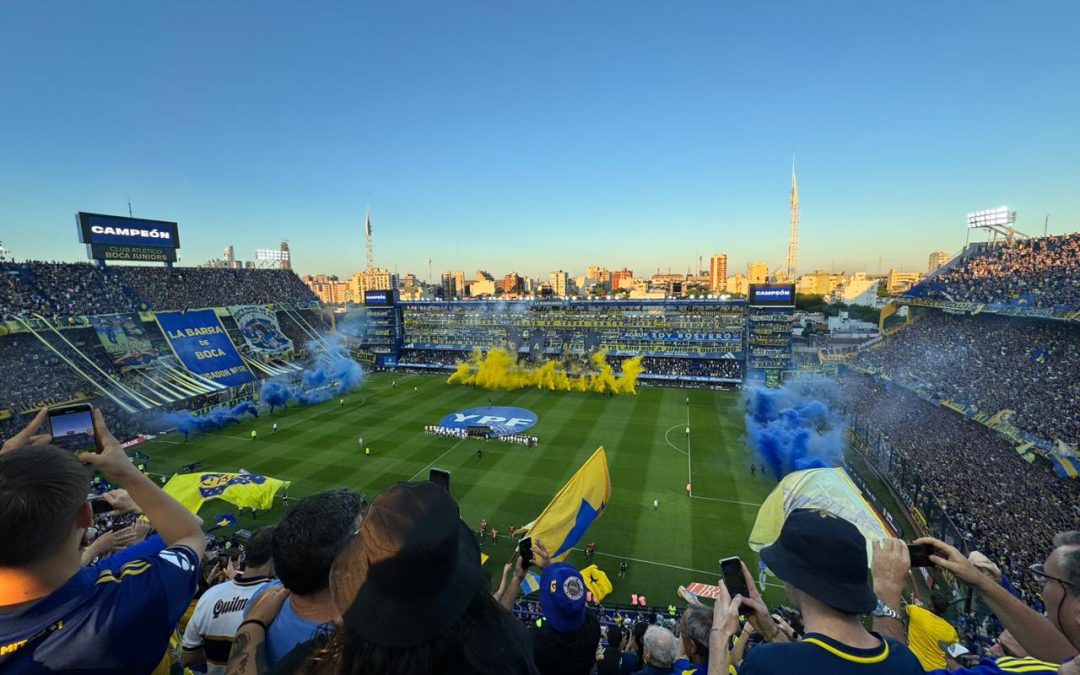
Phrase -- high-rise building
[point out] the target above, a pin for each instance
(757, 273)
(937, 259)
(459, 284)
(329, 289)
(898, 282)
(718, 273)
(618, 277)
(447, 286)
(375, 279)
(560, 283)
(286, 257)
(737, 285)
(593, 272)
(512, 283)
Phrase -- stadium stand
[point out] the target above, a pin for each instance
(73, 289)
(1042, 272)
(990, 364)
(962, 473)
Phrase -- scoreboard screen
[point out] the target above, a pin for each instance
(121, 238)
(379, 298)
(771, 295)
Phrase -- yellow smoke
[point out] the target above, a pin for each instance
(498, 369)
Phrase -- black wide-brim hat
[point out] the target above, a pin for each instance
(825, 557)
(414, 564)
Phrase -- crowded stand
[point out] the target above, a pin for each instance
(61, 290)
(1000, 504)
(1043, 272)
(990, 364)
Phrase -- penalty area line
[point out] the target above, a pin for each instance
(673, 446)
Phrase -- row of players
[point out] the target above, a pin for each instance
(518, 439)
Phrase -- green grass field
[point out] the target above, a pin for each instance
(649, 454)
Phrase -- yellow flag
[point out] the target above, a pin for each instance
(246, 490)
(564, 521)
(597, 582)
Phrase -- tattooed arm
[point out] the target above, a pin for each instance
(248, 655)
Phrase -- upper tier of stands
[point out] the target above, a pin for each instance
(1042, 272)
(73, 289)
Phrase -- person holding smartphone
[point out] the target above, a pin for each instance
(822, 560)
(112, 617)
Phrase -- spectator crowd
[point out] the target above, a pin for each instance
(1002, 505)
(993, 363)
(63, 290)
(1042, 272)
(343, 586)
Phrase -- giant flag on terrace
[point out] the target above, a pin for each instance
(564, 521)
(200, 342)
(246, 490)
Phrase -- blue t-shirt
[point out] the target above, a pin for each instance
(816, 653)
(288, 629)
(113, 617)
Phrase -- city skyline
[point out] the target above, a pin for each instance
(531, 139)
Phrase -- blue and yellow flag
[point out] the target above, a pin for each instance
(531, 582)
(224, 520)
(564, 521)
(596, 580)
(246, 490)
(1066, 467)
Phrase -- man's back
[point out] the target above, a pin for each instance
(566, 653)
(109, 618)
(926, 632)
(216, 618)
(817, 654)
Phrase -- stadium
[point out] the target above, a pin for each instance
(205, 372)
(735, 388)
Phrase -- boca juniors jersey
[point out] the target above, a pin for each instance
(113, 617)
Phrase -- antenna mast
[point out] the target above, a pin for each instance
(793, 240)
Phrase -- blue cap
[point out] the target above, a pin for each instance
(562, 597)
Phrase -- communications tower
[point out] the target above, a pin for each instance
(367, 238)
(793, 240)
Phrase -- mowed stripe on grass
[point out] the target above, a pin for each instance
(317, 449)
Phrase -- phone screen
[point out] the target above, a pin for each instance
(920, 554)
(525, 549)
(440, 477)
(731, 571)
(72, 428)
(99, 505)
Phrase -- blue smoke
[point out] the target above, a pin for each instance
(217, 418)
(333, 374)
(797, 426)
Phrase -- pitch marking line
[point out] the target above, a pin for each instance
(727, 501)
(673, 446)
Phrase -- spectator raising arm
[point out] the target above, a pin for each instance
(1032, 630)
(176, 525)
(891, 565)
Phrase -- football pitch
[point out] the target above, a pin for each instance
(650, 455)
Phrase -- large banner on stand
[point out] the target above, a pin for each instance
(123, 337)
(200, 342)
(260, 329)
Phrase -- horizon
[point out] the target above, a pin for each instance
(530, 139)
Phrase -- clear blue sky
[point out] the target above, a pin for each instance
(529, 135)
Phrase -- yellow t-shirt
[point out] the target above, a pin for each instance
(926, 631)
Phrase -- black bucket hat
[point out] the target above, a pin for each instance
(825, 557)
(414, 564)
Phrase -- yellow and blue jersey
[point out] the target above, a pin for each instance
(817, 653)
(113, 617)
(1004, 664)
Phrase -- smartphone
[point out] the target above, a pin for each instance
(525, 550)
(920, 554)
(72, 427)
(731, 573)
(99, 505)
(440, 477)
